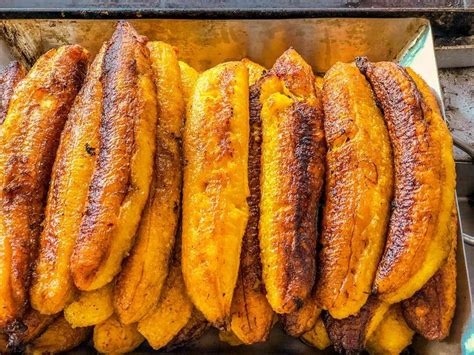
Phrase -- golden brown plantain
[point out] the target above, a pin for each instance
(350, 334)
(111, 336)
(359, 182)
(302, 320)
(189, 76)
(122, 175)
(144, 272)
(251, 314)
(424, 182)
(52, 286)
(33, 324)
(319, 82)
(58, 337)
(10, 76)
(255, 70)
(291, 179)
(91, 307)
(392, 335)
(318, 336)
(193, 330)
(215, 188)
(29, 137)
(430, 310)
(172, 312)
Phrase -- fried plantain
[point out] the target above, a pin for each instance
(359, 182)
(302, 320)
(189, 76)
(58, 337)
(90, 308)
(350, 334)
(29, 137)
(144, 272)
(10, 76)
(111, 336)
(424, 182)
(33, 324)
(319, 82)
(255, 70)
(193, 330)
(291, 178)
(122, 175)
(251, 314)
(172, 312)
(430, 310)
(318, 336)
(215, 190)
(52, 286)
(392, 335)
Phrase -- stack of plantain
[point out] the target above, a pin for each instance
(142, 200)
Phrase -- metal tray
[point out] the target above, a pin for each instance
(204, 43)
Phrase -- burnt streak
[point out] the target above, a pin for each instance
(10, 75)
(28, 143)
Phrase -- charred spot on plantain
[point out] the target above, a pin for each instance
(90, 150)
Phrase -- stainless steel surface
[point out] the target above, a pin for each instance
(322, 42)
(455, 56)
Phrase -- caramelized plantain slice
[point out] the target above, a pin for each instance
(252, 316)
(318, 336)
(350, 334)
(193, 330)
(215, 190)
(392, 335)
(144, 272)
(29, 137)
(291, 179)
(111, 336)
(58, 337)
(52, 286)
(358, 192)
(255, 70)
(189, 76)
(90, 308)
(121, 179)
(430, 310)
(424, 182)
(302, 320)
(10, 76)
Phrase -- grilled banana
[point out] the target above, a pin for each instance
(251, 315)
(144, 272)
(29, 137)
(318, 336)
(111, 336)
(350, 334)
(430, 310)
(193, 330)
(172, 312)
(59, 337)
(392, 335)
(33, 324)
(424, 182)
(121, 178)
(215, 188)
(10, 76)
(291, 178)
(91, 307)
(358, 192)
(302, 320)
(189, 76)
(52, 286)
(255, 70)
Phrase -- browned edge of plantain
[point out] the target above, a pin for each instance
(430, 310)
(193, 330)
(416, 243)
(349, 335)
(292, 175)
(29, 138)
(122, 175)
(10, 76)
